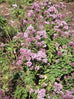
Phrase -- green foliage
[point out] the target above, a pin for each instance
(20, 2)
(9, 32)
(17, 13)
(6, 30)
(23, 77)
(28, 2)
(1, 1)
(3, 21)
(62, 41)
(51, 51)
(21, 92)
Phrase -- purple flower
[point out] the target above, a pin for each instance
(37, 37)
(19, 62)
(19, 34)
(67, 96)
(30, 27)
(59, 53)
(40, 17)
(31, 68)
(59, 15)
(57, 87)
(71, 43)
(64, 46)
(21, 57)
(29, 63)
(46, 22)
(1, 92)
(41, 76)
(41, 54)
(68, 84)
(45, 60)
(7, 97)
(25, 35)
(65, 27)
(66, 34)
(69, 77)
(37, 68)
(14, 5)
(31, 90)
(52, 9)
(31, 22)
(38, 44)
(41, 94)
(22, 44)
(36, 91)
(72, 64)
(56, 45)
(33, 55)
(48, 97)
(63, 16)
(40, 97)
(72, 46)
(64, 69)
(31, 13)
(2, 45)
(24, 21)
(48, 64)
(44, 84)
(72, 74)
(42, 33)
(14, 97)
(28, 58)
(55, 35)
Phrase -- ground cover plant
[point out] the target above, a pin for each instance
(38, 60)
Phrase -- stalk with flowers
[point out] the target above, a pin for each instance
(40, 64)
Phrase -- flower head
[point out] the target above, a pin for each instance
(29, 63)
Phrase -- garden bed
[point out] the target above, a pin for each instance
(36, 50)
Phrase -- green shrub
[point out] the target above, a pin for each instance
(1, 1)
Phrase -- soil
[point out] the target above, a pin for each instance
(5, 11)
(70, 7)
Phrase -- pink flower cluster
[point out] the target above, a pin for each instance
(35, 13)
(68, 94)
(61, 28)
(31, 90)
(37, 68)
(31, 37)
(52, 9)
(3, 96)
(59, 53)
(2, 45)
(36, 7)
(40, 56)
(61, 50)
(42, 33)
(51, 12)
(14, 5)
(71, 44)
(57, 87)
(72, 63)
(60, 5)
(41, 93)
